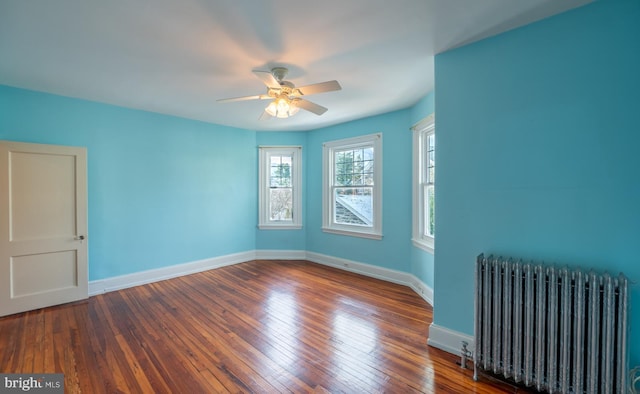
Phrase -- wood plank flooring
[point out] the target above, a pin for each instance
(257, 327)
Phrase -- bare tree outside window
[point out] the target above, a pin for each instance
(281, 194)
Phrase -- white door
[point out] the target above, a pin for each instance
(43, 226)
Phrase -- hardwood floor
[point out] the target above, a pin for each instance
(260, 326)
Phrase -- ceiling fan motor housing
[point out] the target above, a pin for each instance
(279, 73)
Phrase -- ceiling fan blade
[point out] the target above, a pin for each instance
(309, 106)
(245, 98)
(268, 79)
(321, 87)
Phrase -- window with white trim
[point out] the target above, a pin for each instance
(280, 190)
(424, 162)
(352, 192)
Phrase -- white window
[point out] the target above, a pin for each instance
(280, 190)
(352, 186)
(424, 162)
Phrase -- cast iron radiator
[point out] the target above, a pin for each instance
(555, 329)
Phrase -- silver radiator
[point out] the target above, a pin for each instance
(559, 330)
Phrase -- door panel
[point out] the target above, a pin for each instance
(43, 226)
(43, 273)
(42, 201)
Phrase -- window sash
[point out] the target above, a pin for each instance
(281, 168)
(281, 204)
(359, 199)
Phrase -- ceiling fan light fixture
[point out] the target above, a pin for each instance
(281, 108)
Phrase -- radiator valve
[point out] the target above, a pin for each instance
(464, 354)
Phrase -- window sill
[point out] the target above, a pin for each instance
(426, 245)
(352, 233)
(279, 227)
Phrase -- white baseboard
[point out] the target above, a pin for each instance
(373, 271)
(448, 340)
(173, 271)
(268, 254)
(422, 289)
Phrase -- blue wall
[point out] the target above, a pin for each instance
(538, 158)
(423, 108)
(393, 251)
(162, 190)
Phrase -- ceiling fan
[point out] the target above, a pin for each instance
(286, 97)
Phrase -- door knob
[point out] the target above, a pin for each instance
(79, 237)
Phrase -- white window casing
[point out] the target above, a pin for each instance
(423, 235)
(352, 186)
(280, 187)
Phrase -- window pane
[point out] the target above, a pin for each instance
(343, 167)
(368, 166)
(368, 153)
(429, 210)
(368, 179)
(431, 157)
(353, 206)
(281, 204)
(358, 166)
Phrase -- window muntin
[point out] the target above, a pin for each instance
(424, 162)
(280, 188)
(353, 184)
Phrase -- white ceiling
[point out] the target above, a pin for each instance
(178, 57)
